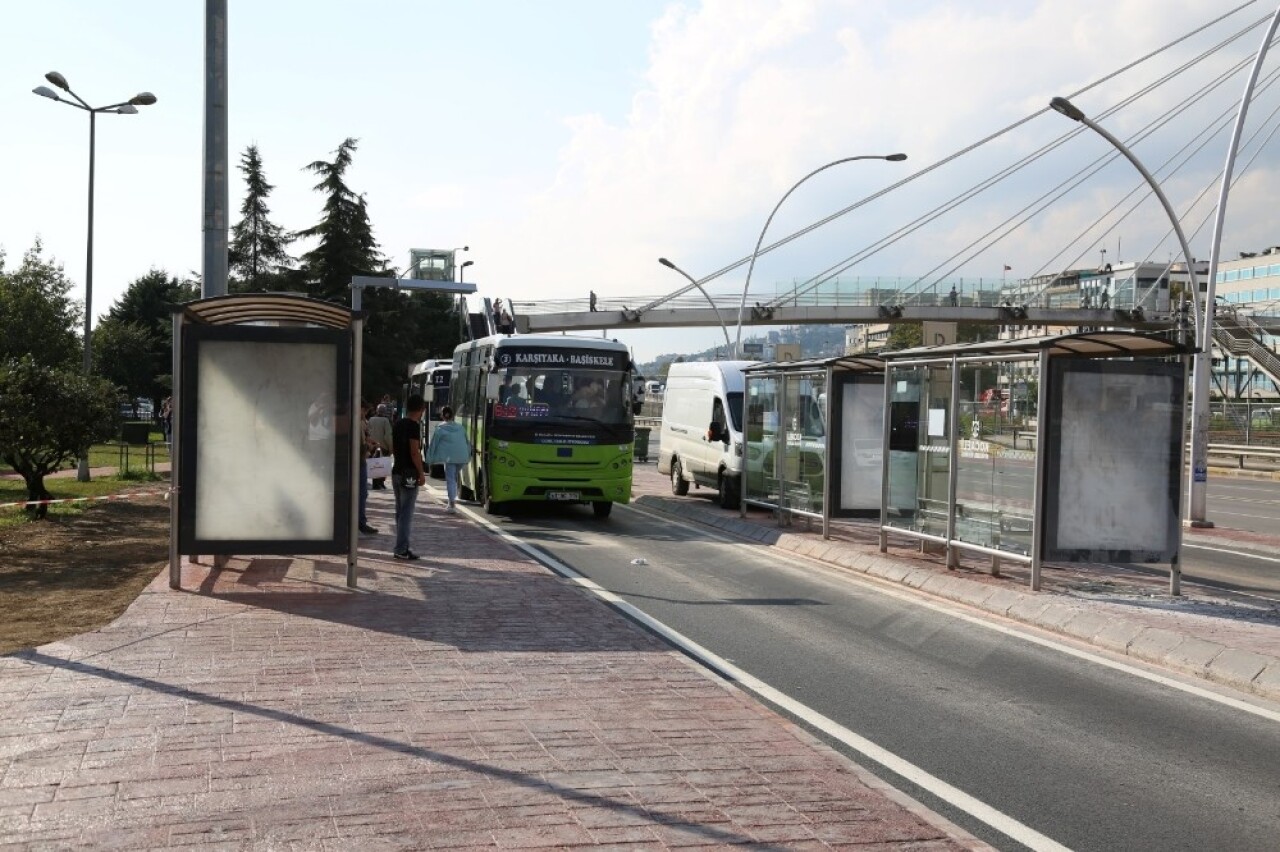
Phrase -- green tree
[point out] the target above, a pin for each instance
(148, 303)
(345, 244)
(127, 355)
(49, 418)
(905, 335)
(37, 316)
(257, 252)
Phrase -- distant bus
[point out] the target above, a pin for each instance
(550, 417)
(431, 380)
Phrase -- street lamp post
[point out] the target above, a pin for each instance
(1200, 360)
(728, 347)
(128, 107)
(894, 158)
(462, 271)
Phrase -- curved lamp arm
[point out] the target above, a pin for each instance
(896, 158)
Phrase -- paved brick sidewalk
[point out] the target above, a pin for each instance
(472, 699)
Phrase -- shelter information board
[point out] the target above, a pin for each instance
(1115, 449)
(265, 457)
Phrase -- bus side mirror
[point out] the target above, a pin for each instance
(429, 393)
(491, 386)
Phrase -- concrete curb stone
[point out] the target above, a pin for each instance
(1172, 649)
(1085, 625)
(1237, 668)
(1193, 653)
(1267, 681)
(1118, 635)
(1155, 643)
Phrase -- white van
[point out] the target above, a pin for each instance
(701, 436)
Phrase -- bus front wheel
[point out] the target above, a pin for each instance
(602, 508)
(484, 495)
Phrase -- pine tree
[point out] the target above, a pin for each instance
(257, 252)
(346, 246)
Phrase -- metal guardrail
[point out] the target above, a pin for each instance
(1243, 451)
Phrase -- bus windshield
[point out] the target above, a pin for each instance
(577, 393)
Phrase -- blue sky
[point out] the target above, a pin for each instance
(572, 143)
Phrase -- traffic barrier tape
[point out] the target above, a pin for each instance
(128, 496)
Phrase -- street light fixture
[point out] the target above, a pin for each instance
(1200, 360)
(728, 347)
(128, 107)
(893, 158)
(462, 270)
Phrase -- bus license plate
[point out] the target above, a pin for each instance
(563, 495)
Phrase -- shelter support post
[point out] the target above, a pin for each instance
(175, 559)
(826, 455)
(1037, 507)
(357, 440)
(953, 472)
(884, 462)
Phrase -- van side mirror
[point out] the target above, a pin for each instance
(715, 432)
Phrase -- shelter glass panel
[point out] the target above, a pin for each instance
(861, 444)
(903, 441)
(761, 480)
(919, 467)
(805, 440)
(995, 480)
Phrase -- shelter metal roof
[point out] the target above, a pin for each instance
(855, 363)
(267, 307)
(1084, 344)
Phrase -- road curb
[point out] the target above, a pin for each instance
(1245, 473)
(1173, 649)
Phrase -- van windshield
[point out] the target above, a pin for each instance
(734, 399)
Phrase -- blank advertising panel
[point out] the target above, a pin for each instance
(861, 444)
(1114, 459)
(265, 441)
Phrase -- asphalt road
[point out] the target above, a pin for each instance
(1245, 504)
(1092, 757)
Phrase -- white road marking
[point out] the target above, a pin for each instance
(1243, 553)
(954, 796)
(1009, 630)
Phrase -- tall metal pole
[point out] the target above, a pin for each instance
(216, 201)
(1197, 509)
(82, 472)
(737, 347)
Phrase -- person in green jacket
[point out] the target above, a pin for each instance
(449, 447)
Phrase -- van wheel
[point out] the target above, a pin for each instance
(602, 508)
(729, 496)
(679, 485)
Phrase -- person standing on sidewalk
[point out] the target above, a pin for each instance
(407, 473)
(380, 434)
(365, 446)
(449, 447)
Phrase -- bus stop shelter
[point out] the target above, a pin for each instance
(1099, 476)
(814, 431)
(265, 456)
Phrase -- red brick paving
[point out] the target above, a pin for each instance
(471, 700)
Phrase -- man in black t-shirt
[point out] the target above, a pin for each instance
(407, 472)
